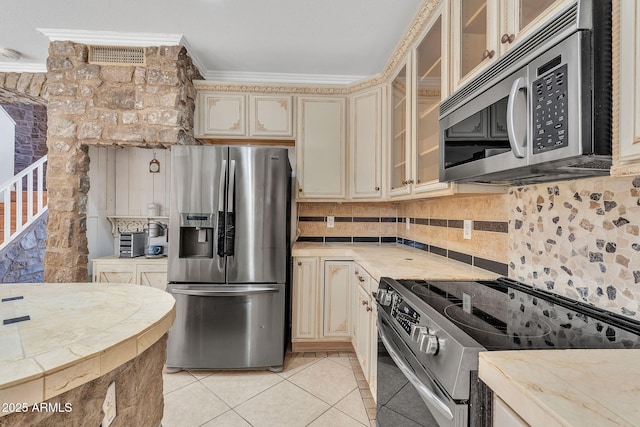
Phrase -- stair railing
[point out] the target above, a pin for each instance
(16, 185)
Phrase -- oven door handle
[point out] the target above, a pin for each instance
(425, 393)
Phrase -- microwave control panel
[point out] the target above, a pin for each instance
(550, 111)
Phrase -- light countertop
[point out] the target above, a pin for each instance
(113, 259)
(76, 333)
(567, 387)
(396, 261)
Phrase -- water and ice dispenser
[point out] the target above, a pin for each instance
(196, 235)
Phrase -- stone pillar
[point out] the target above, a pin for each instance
(105, 105)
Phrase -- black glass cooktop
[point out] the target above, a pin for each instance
(508, 315)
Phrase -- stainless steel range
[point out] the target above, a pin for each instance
(433, 331)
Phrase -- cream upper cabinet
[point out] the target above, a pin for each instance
(270, 116)
(366, 145)
(628, 13)
(305, 298)
(227, 115)
(430, 68)
(483, 30)
(321, 148)
(399, 154)
(475, 28)
(222, 114)
(337, 301)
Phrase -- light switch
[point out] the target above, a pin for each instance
(330, 221)
(407, 222)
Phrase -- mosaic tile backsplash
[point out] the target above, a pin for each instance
(580, 239)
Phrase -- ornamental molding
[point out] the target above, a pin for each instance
(297, 84)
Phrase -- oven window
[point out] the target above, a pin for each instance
(481, 135)
(399, 404)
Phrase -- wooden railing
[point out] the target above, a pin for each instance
(23, 199)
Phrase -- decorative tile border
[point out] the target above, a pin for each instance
(485, 264)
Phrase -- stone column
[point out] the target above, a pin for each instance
(66, 256)
(105, 105)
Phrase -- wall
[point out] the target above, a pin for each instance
(21, 261)
(7, 145)
(435, 225)
(579, 239)
(30, 133)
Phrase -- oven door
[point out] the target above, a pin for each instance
(407, 394)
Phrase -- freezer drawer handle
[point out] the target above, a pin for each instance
(224, 292)
(425, 393)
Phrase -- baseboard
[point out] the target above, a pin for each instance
(303, 346)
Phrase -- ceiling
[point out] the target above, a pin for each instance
(297, 41)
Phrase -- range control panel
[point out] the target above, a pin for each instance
(404, 314)
(550, 111)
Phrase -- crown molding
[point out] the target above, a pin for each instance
(16, 67)
(284, 78)
(112, 38)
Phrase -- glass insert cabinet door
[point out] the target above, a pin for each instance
(529, 10)
(428, 82)
(474, 31)
(399, 130)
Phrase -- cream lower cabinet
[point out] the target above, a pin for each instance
(365, 331)
(321, 304)
(139, 271)
(504, 416)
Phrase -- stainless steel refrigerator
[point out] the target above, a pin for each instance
(228, 256)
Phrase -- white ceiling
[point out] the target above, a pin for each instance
(320, 41)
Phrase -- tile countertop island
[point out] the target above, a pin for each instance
(76, 333)
(395, 261)
(567, 387)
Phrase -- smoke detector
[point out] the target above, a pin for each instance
(9, 53)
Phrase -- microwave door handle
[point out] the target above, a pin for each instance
(421, 388)
(517, 147)
(221, 218)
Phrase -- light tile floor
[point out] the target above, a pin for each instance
(314, 389)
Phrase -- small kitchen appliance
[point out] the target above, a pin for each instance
(432, 332)
(132, 244)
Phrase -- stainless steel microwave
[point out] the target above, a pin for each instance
(540, 113)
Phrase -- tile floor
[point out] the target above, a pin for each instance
(314, 389)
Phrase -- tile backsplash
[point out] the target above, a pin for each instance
(580, 239)
(435, 225)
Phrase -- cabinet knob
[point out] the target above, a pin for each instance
(299, 263)
(507, 38)
(488, 54)
(365, 303)
(360, 278)
(299, 190)
(410, 181)
(405, 182)
(369, 308)
(377, 188)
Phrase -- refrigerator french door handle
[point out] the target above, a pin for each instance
(230, 223)
(221, 216)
